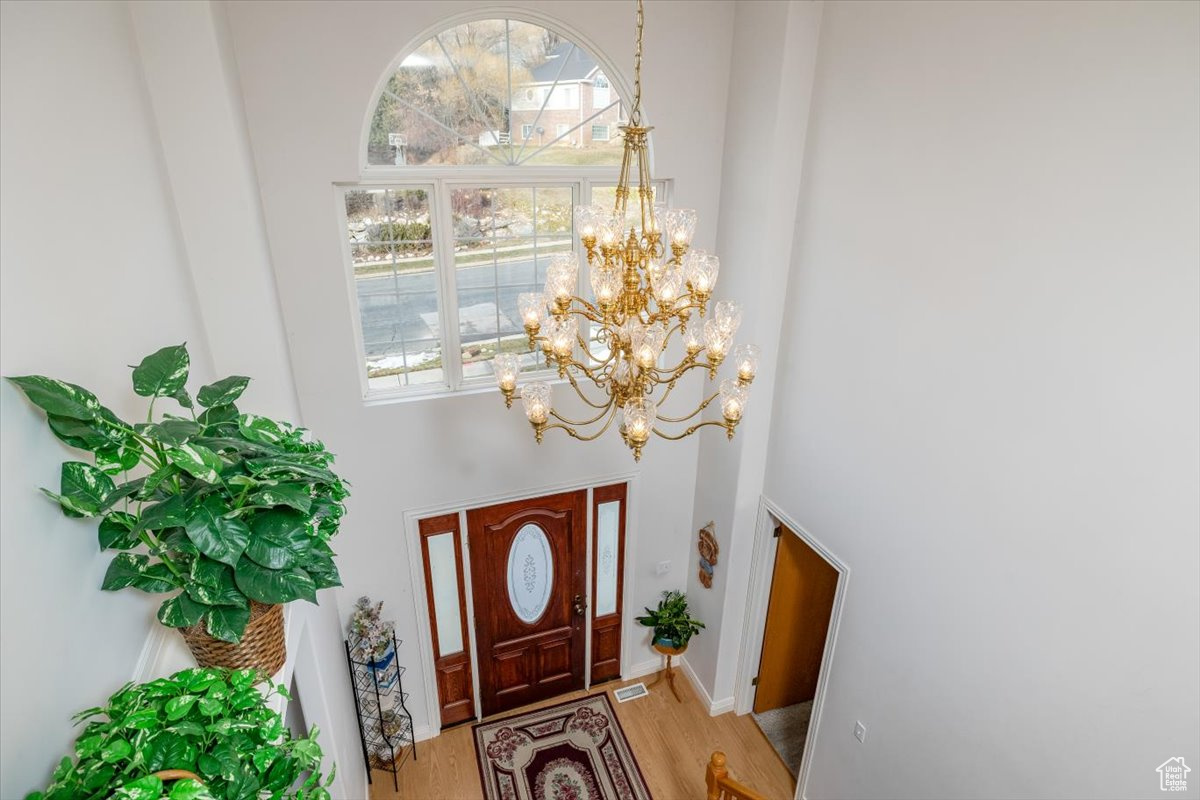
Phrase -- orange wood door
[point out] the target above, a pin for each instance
(451, 660)
(802, 591)
(528, 561)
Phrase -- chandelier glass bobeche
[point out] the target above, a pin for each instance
(646, 284)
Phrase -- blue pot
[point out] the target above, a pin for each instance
(383, 663)
(665, 642)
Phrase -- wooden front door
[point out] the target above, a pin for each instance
(802, 592)
(528, 562)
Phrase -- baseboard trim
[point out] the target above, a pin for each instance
(647, 667)
(715, 707)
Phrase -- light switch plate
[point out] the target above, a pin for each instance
(860, 731)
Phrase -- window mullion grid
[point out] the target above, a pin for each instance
(581, 194)
(443, 236)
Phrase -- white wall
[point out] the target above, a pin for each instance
(774, 57)
(306, 92)
(988, 395)
(93, 279)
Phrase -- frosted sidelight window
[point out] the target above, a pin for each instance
(530, 573)
(608, 525)
(443, 572)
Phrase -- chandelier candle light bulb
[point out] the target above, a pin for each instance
(745, 356)
(507, 366)
(646, 281)
(533, 309)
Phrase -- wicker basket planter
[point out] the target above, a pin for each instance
(263, 646)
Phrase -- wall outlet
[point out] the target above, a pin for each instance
(860, 731)
(662, 568)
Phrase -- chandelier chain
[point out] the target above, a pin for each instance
(635, 113)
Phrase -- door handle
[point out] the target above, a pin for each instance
(580, 605)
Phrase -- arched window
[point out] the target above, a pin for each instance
(495, 91)
(479, 144)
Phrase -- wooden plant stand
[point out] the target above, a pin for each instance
(669, 652)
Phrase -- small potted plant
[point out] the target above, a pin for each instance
(198, 735)
(229, 512)
(673, 625)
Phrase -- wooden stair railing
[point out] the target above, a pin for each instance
(723, 787)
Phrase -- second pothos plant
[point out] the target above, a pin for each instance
(217, 506)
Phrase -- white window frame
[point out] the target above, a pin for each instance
(438, 182)
(607, 132)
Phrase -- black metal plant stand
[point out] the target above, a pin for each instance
(384, 723)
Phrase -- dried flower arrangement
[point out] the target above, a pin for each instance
(373, 635)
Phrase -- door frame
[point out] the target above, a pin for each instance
(762, 568)
(416, 568)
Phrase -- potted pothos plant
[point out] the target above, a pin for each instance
(673, 625)
(229, 512)
(201, 734)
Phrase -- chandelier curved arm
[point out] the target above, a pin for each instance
(577, 435)
(685, 366)
(722, 423)
(584, 397)
(600, 363)
(686, 417)
(587, 310)
(605, 409)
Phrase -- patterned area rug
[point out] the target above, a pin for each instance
(571, 751)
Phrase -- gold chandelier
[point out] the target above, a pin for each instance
(646, 284)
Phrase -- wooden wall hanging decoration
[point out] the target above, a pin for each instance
(709, 549)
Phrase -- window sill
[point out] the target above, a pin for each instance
(383, 398)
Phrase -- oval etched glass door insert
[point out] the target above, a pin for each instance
(530, 573)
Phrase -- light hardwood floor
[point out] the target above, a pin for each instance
(671, 740)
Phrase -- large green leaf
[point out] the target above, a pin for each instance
(198, 461)
(182, 397)
(323, 571)
(149, 787)
(220, 538)
(170, 513)
(223, 392)
(162, 373)
(188, 789)
(118, 459)
(266, 467)
(115, 750)
(81, 433)
(135, 569)
(274, 586)
(127, 489)
(260, 429)
(116, 531)
(218, 415)
(278, 538)
(206, 572)
(171, 431)
(227, 623)
(155, 479)
(294, 495)
(227, 756)
(216, 589)
(177, 707)
(84, 488)
(180, 611)
(171, 751)
(58, 397)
